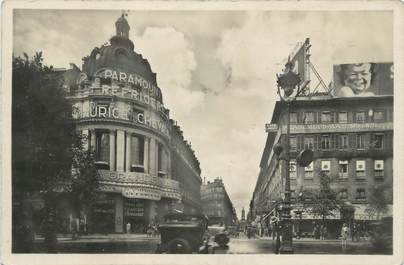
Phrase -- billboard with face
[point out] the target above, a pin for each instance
(363, 79)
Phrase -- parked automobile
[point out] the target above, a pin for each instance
(219, 233)
(183, 233)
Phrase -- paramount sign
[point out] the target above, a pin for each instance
(132, 79)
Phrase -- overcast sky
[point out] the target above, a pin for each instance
(216, 69)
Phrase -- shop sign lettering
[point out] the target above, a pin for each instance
(132, 94)
(132, 79)
(350, 127)
(110, 112)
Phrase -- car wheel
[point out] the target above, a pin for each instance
(179, 246)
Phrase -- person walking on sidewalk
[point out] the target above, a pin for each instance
(344, 235)
(128, 226)
(323, 232)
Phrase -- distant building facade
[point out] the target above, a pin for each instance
(216, 203)
(147, 168)
(352, 140)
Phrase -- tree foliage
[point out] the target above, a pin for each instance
(45, 144)
(323, 201)
(42, 126)
(380, 196)
(84, 182)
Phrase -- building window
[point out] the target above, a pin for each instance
(379, 140)
(309, 142)
(162, 161)
(325, 142)
(360, 169)
(292, 169)
(308, 118)
(379, 116)
(379, 169)
(343, 169)
(360, 194)
(360, 141)
(308, 171)
(326, 166)
(293, 143)
(343, 141)
(293, 117)
(102, 147)
(343, 117)
(137, 153)
(360, 116)
(326, 117)
(343, 194)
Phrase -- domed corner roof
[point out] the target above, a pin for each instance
(120, 58)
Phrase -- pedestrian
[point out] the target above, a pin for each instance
(128, 226)
(323, 231)
(149, 230)
(278, 238)
(344, 235)
(353, 231)
(316, 232)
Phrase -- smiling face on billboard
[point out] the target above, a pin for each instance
(357, 77)
(363, 79)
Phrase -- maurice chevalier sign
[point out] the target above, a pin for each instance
(110, 112)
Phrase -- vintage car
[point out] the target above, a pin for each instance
(183, 233)
(219, 234)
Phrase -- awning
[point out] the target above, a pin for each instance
(271, 211)
(362, 214)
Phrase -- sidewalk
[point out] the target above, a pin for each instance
(101, 237)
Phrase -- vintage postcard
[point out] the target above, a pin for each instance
(232, 132)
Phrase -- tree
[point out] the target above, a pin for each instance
(45, 145)
(380, 196)
(85, 178)
(324, 201)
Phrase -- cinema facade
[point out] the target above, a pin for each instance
(146, 167)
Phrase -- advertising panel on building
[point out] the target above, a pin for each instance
(363, 79)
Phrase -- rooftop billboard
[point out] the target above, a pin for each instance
(363, 79)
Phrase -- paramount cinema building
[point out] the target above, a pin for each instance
(146, 167)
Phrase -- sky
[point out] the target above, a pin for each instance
(216, 69)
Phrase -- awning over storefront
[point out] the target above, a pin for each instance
(305, 214)
(361, 212)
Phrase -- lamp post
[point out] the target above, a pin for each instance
(288, 90)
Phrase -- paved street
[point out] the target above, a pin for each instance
(122, 243)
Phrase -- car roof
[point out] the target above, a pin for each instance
(182, 215)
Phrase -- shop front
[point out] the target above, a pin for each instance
(136, 200)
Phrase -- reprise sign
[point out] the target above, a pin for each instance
(125, 92)
(133, 79)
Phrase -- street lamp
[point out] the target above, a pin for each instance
(288, 90)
